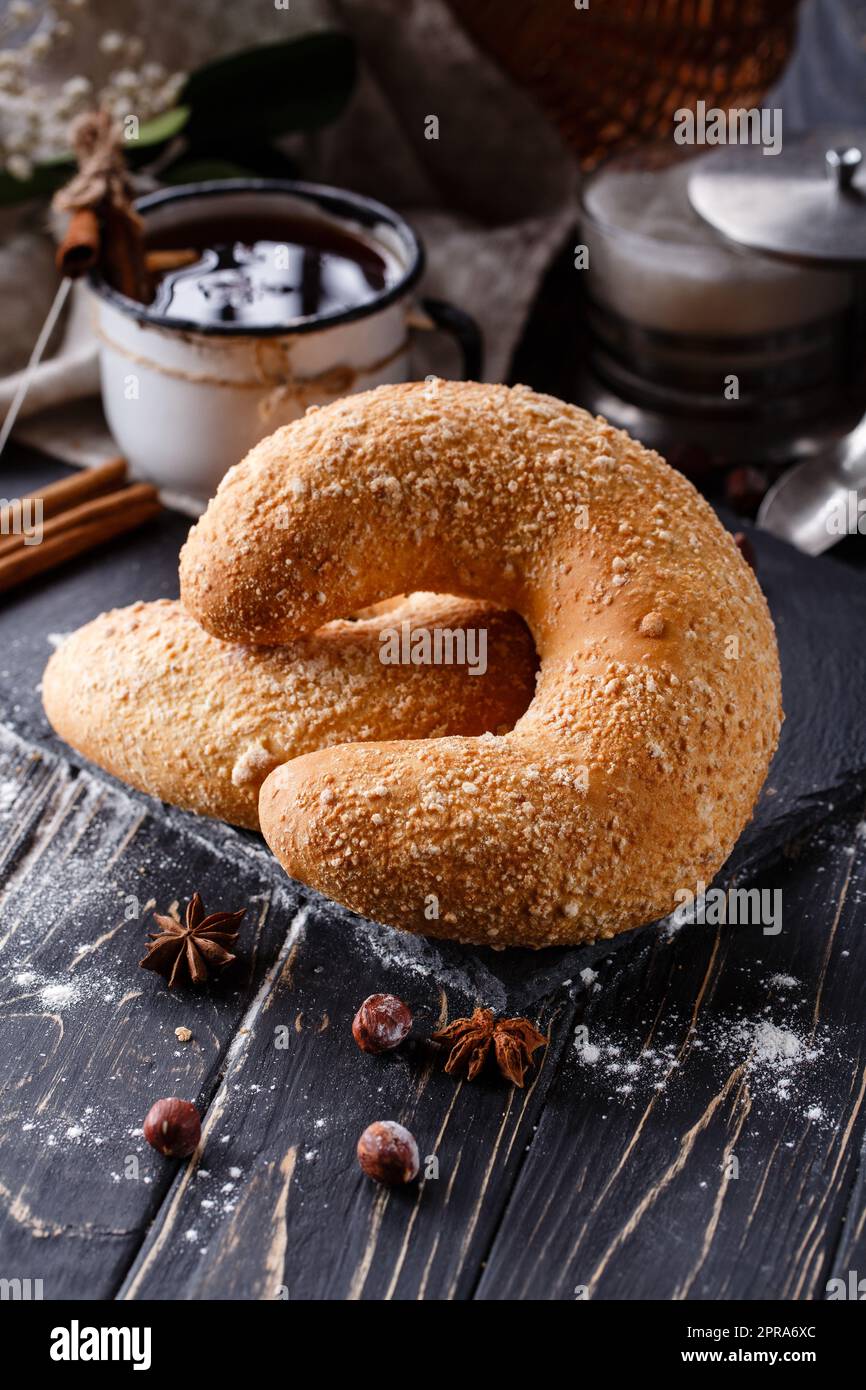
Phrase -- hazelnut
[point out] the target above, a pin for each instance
(388, 1153)
(381, 1023)
(173, 1127)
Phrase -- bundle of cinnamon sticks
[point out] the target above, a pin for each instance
(104, 229)
(69, 518)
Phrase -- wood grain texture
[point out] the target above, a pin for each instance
(304, 1217)
(87, 1038)
(568, 1185)
(632, 1197)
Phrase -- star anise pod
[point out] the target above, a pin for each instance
(514, 1041)
(469, 1040)
(194, 947)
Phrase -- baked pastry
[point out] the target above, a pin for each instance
(658, 703)
(148, 695)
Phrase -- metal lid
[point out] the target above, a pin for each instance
(805, 204)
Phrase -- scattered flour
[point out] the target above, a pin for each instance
(770, 1044)
(63, 991)
(421, 957)
(57, 996)
(780, 1062)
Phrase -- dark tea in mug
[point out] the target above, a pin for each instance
(257, 271)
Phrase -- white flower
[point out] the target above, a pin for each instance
(40, 44)
(69, 104)
(111, 41)
(16, 142)
(116, 103)
(35, 115)
(125, 81)
(77, 87)
(19, 167)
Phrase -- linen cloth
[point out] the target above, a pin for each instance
(493, 195)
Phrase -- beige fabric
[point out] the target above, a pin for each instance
(493, 197)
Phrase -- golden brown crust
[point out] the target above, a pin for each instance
(658, 705)
(148, 695)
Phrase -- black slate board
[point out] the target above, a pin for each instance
(819, 608)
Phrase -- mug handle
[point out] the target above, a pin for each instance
(459, 325)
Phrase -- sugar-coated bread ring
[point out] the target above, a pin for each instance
(657, 708)
(148, 695)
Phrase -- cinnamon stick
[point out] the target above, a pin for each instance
(103, 188)
(68, 492)
(158, 262)
(123, 253)
(79, 250)
(31, 560)
(92, 510)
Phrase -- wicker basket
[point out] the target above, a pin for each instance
(612, 75)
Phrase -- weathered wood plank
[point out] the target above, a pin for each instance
(633, 1194)
(634, 1184)
(849, 1264)
(97, 1036)
(283, 1209)
(87, 1038)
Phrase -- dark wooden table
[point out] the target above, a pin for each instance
(695, 1129)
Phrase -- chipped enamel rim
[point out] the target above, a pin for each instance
(349, 208)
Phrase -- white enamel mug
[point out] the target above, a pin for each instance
(186, 401)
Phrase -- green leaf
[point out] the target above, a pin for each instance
(298, 84)
(160, 129)
(50, 175)
(203, 171)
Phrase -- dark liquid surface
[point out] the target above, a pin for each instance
(266, 272)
